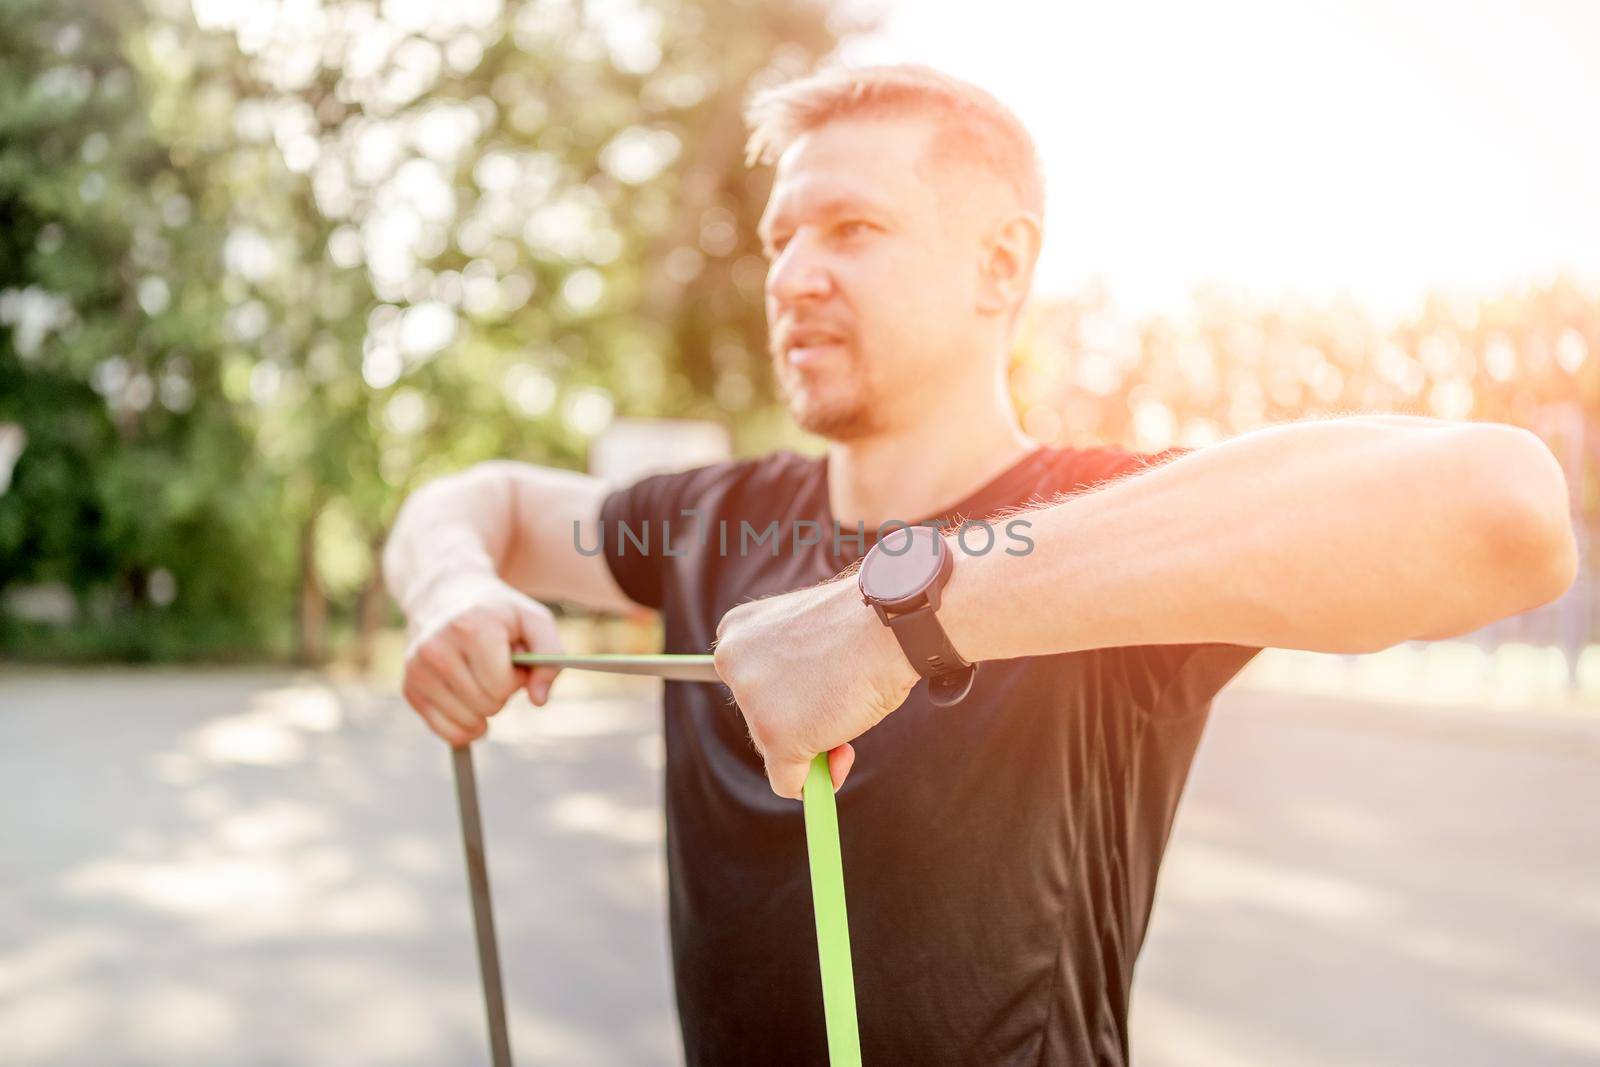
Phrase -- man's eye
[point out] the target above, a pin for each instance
(853, 228)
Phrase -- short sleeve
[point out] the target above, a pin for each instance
(1170, 681)
(637, 520)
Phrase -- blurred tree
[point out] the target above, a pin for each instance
(136, 489)
(549, 208)
(265, 270)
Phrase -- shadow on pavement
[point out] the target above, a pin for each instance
(206, 868)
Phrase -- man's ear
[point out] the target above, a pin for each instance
(1006, 268)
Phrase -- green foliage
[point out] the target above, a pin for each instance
(135, 465)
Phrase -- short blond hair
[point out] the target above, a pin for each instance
(974, 127)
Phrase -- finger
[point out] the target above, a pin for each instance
(788, 778)
(429, 671)
(487, 659)
(428, 692)
(840, 760)
(444, 727)
(536, 632)
(450, 665)
(540, 679)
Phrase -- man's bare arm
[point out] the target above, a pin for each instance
(514, 521)
(1346, 535)
(469, 560)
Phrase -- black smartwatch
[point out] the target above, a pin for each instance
(901, 578)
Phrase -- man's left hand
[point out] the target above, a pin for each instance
(811, 670)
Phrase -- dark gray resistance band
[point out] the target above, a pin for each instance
(822, 848)
(482, 912)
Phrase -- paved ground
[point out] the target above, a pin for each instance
(231, 868)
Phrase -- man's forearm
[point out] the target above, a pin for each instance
(452, 529)
(1344, 535)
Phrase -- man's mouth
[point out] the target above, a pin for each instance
(805, 347)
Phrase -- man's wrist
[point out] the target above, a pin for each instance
(443, 593)
(882, 639)
(903, 672)
(959, 603)
(874, 639)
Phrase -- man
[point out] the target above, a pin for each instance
(1001, 853)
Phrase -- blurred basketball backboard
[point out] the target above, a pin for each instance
(630, 449)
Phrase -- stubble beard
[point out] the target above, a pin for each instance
(842, 413)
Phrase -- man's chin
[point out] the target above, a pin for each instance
(835, 424)
(837, 410)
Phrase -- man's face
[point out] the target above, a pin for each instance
(871, 286)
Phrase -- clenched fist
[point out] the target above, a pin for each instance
(458, 665)
(811, 670)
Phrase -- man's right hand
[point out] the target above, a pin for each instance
(458, 664)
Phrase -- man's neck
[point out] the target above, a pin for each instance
(909, 475)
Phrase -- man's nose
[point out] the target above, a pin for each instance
(798, 274)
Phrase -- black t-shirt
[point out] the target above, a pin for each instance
(1000, 856)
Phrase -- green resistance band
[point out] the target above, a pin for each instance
(833, 925)
(822, 847)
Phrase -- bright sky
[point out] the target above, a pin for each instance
(1375, 148)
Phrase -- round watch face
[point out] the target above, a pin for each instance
(904, 562)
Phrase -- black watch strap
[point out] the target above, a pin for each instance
(928, 648)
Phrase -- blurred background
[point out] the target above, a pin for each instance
(266, 267)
